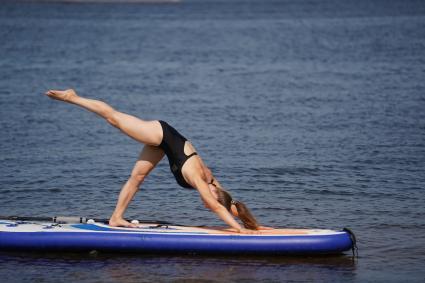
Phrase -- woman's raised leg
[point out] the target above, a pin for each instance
(147, 132)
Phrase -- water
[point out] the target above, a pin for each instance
(311, 112)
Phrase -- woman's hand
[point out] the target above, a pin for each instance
(265, 228)
(243, 230)
(248, 231)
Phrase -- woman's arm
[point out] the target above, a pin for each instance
(217, 208)
(208, 175)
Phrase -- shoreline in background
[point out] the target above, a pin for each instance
(102, 1)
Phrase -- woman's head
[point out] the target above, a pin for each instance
(225, 199)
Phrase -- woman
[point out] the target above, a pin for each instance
(185, 164)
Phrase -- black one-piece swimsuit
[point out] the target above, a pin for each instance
(173, 145)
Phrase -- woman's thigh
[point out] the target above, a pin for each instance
(148, 159)
(147, 132)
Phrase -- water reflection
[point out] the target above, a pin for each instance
(135, 267)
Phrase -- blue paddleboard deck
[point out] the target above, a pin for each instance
(158, 238)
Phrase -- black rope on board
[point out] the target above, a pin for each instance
(159, 226)
(76, 219)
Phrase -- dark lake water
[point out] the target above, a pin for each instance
(311, 112)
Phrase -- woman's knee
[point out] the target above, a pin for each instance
(112, 116)
(137, 178)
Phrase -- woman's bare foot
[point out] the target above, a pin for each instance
(63, 95)
(120, 222)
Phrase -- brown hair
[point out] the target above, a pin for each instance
(248, 220)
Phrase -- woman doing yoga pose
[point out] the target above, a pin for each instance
(186, 165)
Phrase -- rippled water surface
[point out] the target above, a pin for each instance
(311, 112)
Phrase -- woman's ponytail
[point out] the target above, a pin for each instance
(245, 216)
(243, 212)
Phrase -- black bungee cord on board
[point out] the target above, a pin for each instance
(354, 247)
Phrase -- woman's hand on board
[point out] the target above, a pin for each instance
(264, 228)
(248, 231)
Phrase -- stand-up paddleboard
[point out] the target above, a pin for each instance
(80, 234)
